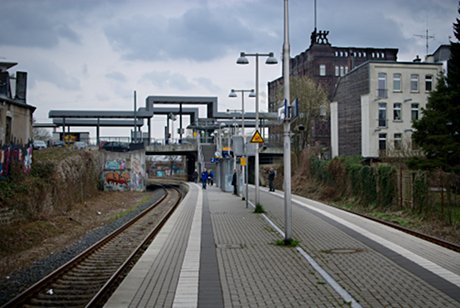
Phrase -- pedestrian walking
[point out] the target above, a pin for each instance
(271, 179)
(204, 178)
(211, 177)
(195, 176)
(235, 183)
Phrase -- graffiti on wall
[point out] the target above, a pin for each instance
(116, 180)
(137, 174)
(137, 182)
(11, 154)
(115, 164)
(124, 174)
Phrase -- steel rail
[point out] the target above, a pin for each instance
(25, 297)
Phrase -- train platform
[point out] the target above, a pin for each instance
(215, 252)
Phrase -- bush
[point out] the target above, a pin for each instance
(386, 176)
(368, 185)
(355, 186)
(43, 169)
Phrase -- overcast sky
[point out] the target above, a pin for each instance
(92, 55)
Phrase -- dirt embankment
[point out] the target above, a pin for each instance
(55, 205)
(59, 179)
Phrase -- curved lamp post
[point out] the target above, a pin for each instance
(270, 60)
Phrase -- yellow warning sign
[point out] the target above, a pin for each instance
(257, 138)
(243, 161)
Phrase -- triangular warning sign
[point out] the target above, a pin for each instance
(257, 138)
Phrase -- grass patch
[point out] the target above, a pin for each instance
(122, 214)
(259, 209)
(398, 218)
(54, 154)
(288, 243)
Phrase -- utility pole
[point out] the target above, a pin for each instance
(287, 131)
(135, 117)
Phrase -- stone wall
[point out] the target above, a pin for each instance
(53, 186)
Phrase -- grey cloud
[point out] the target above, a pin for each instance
(117, 76)
(379, 25)
(200, 34)
(44, 70)
(167, 79)
(208, 84)
(32, 23)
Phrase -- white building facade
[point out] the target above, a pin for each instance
(375, 105)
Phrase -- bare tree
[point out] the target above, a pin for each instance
(313, 104)
(40, 133)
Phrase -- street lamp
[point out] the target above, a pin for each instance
(270, 60)
(245, 168)
(287, 131)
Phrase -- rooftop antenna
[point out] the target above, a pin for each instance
(315, 14)
(426, 36)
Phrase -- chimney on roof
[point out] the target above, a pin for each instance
(417, 59)
(21, 87)
(5, 84)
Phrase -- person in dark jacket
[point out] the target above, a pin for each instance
(271, 179)
(211, 177)
(195, 176)
(204, 178)
(235, 183)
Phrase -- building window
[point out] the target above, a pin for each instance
(397, 141)
(428, 83)
(337, 70)
(382, 85)
(414, 111)
(397, 82)
(382, 142)
(346, 69)
(382, 114)
(364, 54)
(397, 112)
(322, 69)
(414, 83)
(342, 71)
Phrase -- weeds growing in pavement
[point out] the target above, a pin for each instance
(287, 243)
(259, 209)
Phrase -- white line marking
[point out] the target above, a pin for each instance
(187, 287)
(431, 266)
(341, 291)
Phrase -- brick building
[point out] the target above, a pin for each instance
(325, 64)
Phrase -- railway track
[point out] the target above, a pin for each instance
(89, 278)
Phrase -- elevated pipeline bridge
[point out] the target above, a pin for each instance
(181, 106)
